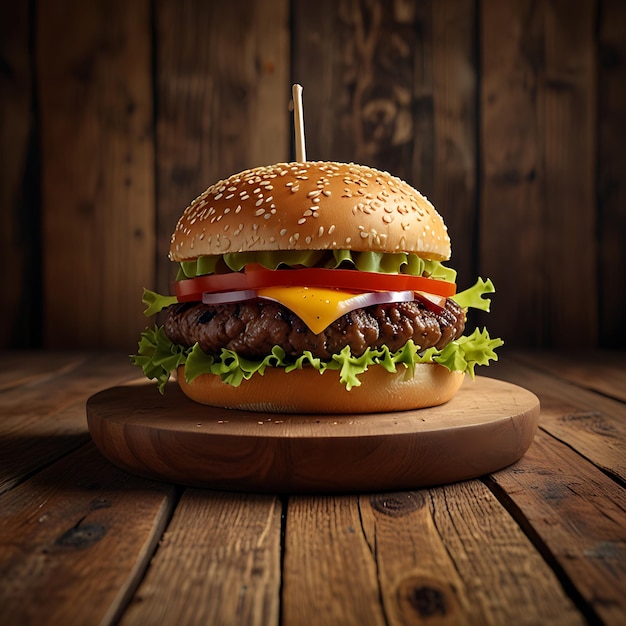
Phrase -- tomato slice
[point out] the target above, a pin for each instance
(191, 289)
(353, 280)
(258, 277)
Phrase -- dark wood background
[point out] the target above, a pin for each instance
(509, 114)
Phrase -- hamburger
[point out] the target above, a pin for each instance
(314, 287)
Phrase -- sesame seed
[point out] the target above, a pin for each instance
(283, 232)
(302, 220)
(331, 229)
(259, 212)
(259, 202)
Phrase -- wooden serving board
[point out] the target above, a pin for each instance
(488, 425)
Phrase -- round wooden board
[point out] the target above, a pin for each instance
(488, 425)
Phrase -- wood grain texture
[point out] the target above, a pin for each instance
(441, 578)
(80, 529)
(416, 557)
(508, 115)
(539, 542)
(222, 87)
(569, 116)
(98, 224)
(52, 422)
(486, 426)
(455, 94)
(579, 515)
(218, 563)
(18, 202)
(330, 574)
(539, 170)
(611, 103)
(366, 69)
(512, 235)
(602, 371)
(590, 423)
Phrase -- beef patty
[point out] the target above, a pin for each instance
(253, 328)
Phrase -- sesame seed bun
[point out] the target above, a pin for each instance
(310, 206)
(306, 391)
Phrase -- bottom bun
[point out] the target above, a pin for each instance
(306, 391)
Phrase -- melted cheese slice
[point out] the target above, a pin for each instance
(317, 307)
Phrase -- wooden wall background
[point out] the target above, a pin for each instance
(509, 114)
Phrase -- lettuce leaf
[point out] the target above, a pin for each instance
(367, 261)
(473, 297)
(155, 302)
(159, 357)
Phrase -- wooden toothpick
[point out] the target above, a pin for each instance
(296, 92)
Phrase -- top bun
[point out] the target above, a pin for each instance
(310, 206)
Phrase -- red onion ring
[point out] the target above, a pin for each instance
(228, 297)
(358, 301)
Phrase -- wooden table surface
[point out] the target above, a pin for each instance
(540, 542)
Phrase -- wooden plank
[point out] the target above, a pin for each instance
(51, 422)
(321, 36)
(604, 371)
(442, 578)
(223, 92)
(579, 515)
(366, 69)
(539, 166)
(506, 579)
(589, 422)
(419, 582)
(511, 160)
(98, 180)
(75, 539)
(218, 563)
(611, 102)
(23, 367)
(568, 101)
(411, 557)
(455, 126)
(19, 315)
(329, 571)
